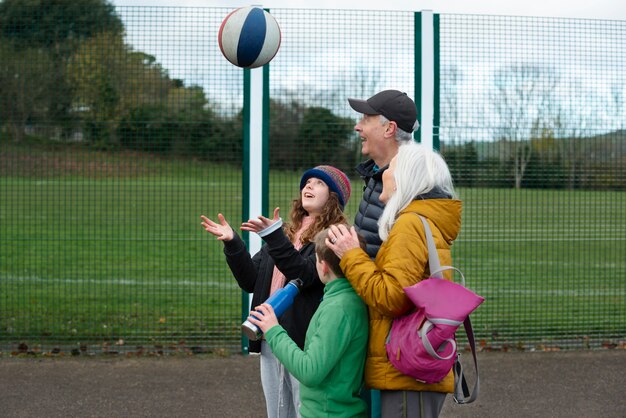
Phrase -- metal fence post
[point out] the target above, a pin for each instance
(425, 64)
(255, 176)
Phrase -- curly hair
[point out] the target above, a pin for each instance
(331, 214)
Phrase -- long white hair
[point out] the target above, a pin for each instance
(419, 170)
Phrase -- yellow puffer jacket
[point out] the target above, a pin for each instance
(401, 261)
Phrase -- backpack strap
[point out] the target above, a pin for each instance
(461, 389)
(433, 256)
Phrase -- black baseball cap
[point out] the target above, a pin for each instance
(392, 104)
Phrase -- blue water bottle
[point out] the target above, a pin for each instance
(281, 300)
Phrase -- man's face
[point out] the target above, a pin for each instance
(372, 133)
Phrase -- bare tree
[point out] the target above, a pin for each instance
(521, 95)
(574, 115)
(618, 103)
(451, 79)
(361, 82)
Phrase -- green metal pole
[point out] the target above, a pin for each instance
(245, 187)
(436, 98)
(417, 70)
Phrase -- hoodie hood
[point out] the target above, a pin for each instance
(444, 213)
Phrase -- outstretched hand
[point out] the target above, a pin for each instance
(222, 231)
(265, 317)
(261, 223)
(340, 239)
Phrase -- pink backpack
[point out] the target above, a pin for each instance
(422, 344)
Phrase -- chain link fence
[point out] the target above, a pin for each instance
(121, 126)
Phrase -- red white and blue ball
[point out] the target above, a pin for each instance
(249, 37)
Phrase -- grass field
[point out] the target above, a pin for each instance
(99, 248)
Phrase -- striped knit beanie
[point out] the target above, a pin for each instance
(335, 179)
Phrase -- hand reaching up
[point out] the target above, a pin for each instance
(261, 223)
(222, 231)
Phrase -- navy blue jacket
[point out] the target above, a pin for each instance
(370, 208)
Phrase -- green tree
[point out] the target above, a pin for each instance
(302, 137)
(125, 97)
(148, 128)
(545, 170)
(222, 138)
(463, 163)
(326, 139)
(111, 80)
(24, 86)
(285, 120)
(56, 24)
(57, 27)
(181, 124)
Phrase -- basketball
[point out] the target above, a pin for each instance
(249, 37)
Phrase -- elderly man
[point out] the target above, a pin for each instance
(389, 119)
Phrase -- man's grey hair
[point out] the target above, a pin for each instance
(419, 169)
(401, 136)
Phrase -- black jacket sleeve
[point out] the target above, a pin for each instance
(245, 268)
(289, 260)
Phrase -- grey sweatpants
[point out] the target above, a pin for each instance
(281, 389)
(410, 404)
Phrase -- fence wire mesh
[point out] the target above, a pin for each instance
(537, 105)
(121, 126)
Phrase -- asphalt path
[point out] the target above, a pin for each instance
(515, 384)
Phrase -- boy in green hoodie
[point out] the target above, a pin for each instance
(330, 368)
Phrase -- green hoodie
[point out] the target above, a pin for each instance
(330, 369)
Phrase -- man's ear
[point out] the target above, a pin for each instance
(391, 129)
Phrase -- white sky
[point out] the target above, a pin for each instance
(586, 9)
(190, 58)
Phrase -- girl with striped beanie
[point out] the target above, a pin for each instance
(288, 253)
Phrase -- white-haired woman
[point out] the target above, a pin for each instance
(417, 182)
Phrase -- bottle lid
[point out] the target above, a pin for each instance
(251, 331)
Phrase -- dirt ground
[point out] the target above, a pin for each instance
(553, 384)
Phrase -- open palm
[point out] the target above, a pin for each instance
(261, 223)
(221, 230)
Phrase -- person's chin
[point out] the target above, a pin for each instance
(308, 206)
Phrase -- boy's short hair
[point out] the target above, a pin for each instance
(326, 254)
